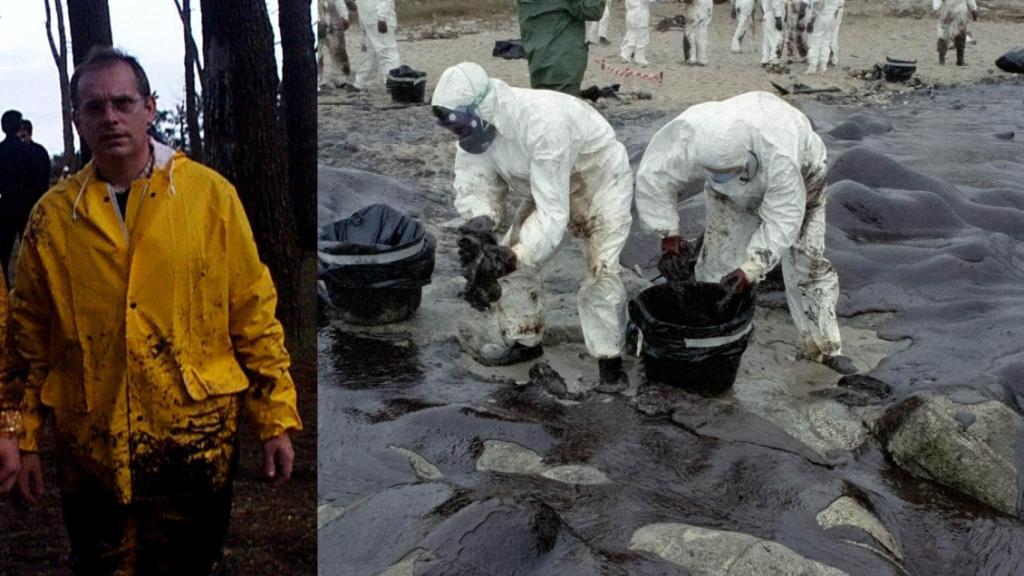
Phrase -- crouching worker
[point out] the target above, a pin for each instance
(560, 157)
(763, 169)
(146, 320)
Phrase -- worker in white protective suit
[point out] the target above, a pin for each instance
(952, 16)
(378, 22)
(695, 31)
(773, 31)
(764, 177)
(638, 32)
(597, 32)
(823, 31)
(833, 53)
(561, 158)
(799, 13)
(743, 13)
(332, 56)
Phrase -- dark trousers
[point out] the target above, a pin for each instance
(179, 535)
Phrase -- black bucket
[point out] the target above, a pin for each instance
(374, 265)
(407, 86)
(685, 339)
(896, 70)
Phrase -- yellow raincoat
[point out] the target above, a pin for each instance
(143, 334)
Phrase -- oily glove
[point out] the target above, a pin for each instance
(810, 26)
(483, 261)
(778, 23)
(491, 262)
(676, 256)
(974, 15)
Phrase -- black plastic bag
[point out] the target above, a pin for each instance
(686, 338)
(376, 247)
(1012, 61)
(509, 49)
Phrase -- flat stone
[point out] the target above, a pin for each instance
(846, 511)
(706, 552)
(510, 458)
(421, 466)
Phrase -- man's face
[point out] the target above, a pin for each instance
(24, 135)
(112, 117)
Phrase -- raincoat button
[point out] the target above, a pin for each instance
(132, 305)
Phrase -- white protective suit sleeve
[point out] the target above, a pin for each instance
(781, 212)
(479, 190)
(341, 9)
(972, 4)
(550, 170)
(386, 11)
(666, 167)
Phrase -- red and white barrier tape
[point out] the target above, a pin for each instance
(658, 77)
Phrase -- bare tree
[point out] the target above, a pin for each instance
(59, 50)
(244, 141)
(192, 65)
(298, 95)
(90, 26)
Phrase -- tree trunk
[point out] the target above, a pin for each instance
(298, 95)
(90, 26)
(244, 140)
(195, 139)
(60, 58)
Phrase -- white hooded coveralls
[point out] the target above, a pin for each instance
(744, 11)
(381, 49)
(779, 215)
(560, 157)
(772, 40)
(695, 31)
(599, 29)
(332, 45)
(953, 15)
(825, 19)
(638, 32)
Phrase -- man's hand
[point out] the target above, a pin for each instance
(278, 457)
(778, 23)
(674, 263)
(810, 26)
(10, 463)
(342, 24)
(30, 480)
(382, 26)
(974, 15)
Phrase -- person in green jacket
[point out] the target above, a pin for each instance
(554, 35)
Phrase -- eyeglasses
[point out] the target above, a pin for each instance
(121, 104)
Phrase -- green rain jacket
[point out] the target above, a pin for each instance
(554, 35)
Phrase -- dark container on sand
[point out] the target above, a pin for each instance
(374, 265)
(691, 336)
(406, 86)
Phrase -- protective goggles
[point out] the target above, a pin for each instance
(462, 121)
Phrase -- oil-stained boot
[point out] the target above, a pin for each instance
(613, 377)
(960, 43)
(941, 47)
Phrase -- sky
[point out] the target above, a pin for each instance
(150, 30)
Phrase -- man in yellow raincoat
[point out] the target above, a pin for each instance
(146, 321)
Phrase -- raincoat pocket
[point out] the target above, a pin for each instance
(64, 391)
(214, 379)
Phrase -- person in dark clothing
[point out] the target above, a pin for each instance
(40, 172)
(554, 36)
(15, 182)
